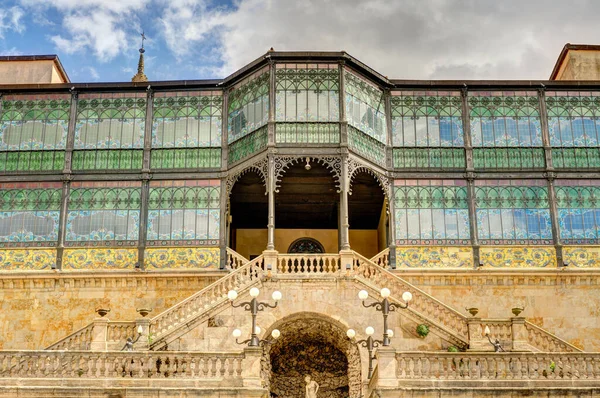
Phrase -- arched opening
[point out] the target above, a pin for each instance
(315, 345)
(368, 218)
(248, 209)
(307, 206)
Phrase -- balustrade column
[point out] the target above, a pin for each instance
(519, 334)
(387, 367)
(99, 334)
(251, 367)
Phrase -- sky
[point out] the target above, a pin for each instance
(98, 40)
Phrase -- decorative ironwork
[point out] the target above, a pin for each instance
(307, 93)
(427, 119)
(431, 212)
(573, 118)
(33, 132)
(366, 146)
(429, 158)
(307, 133)
(248, 145)
(505, 119)
(509, 158)
(512, 212)
(183, 213)
(109, 132)
(365, 108)
(332, 163)
(103, 212)
(576, 158)
(578, 204)
(248, 106)
(29, 214)
(306, 245)
(260, 167)
(355, 166)
(186, 130)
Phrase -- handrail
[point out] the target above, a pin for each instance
(206, 299)
(120, 364)
(423, 304)
(82, 337)
(540, 338)
(382, 258)
(497, 366)
(234, 259)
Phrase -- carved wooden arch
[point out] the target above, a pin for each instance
(354, 167)
(260, 167)
(332, 163)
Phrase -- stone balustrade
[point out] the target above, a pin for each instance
(206, 299)
(235, 260)
(308, 263)
(118, 364)
(502, 366)
(78, 340)
(382, 258)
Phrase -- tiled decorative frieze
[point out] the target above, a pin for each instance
(434, 257)
(518, 257)
(192, 258)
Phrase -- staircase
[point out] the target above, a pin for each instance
(371, 274)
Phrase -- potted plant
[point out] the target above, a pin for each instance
(422, 330)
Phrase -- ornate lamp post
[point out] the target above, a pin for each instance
(274, 334)
(385, 307)
(253, 306)
(369, 343)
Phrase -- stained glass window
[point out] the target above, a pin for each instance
(428, 127)
(103, 212)
(509, 122)
(307, 93)
(109, 132)
(431, 211)
(574, 128)
(33, 132)
(186, 130)
(365, 107)
(248, 106)
(578, 203)
(512, 212)
(29, 214)
(184, 212)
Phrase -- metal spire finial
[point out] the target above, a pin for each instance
(140, 76)
(143, 38)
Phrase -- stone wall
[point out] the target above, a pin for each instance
(36, 311)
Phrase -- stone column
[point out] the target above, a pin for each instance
(387, 367)
(143, 344)
(99, 334)
(251, 367)
(519, 334)
(477, 341)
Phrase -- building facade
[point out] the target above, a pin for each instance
(312, 174)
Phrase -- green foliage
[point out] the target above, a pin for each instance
(422, 330)
(452, 349)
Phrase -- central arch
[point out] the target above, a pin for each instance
(316, 345)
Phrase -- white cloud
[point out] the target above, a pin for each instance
(107, 28)
(426, 39)
(10, 19)
(91, 72)
(11, 51)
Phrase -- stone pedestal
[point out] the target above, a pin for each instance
(270, 258)
(387, 367)
(477, 341)
(99, 334)
(519, 334)
(346, 260)
(251, 367)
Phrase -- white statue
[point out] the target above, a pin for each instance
(311, 387)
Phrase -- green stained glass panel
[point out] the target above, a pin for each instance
(107, 160)
(365, 107)
(429, 158)
(309, 133)
(509, 158)
(248, 145)
(366, 146)
(248, 107)
(188, 158)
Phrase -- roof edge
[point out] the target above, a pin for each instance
(565, 50)
(42, 57)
